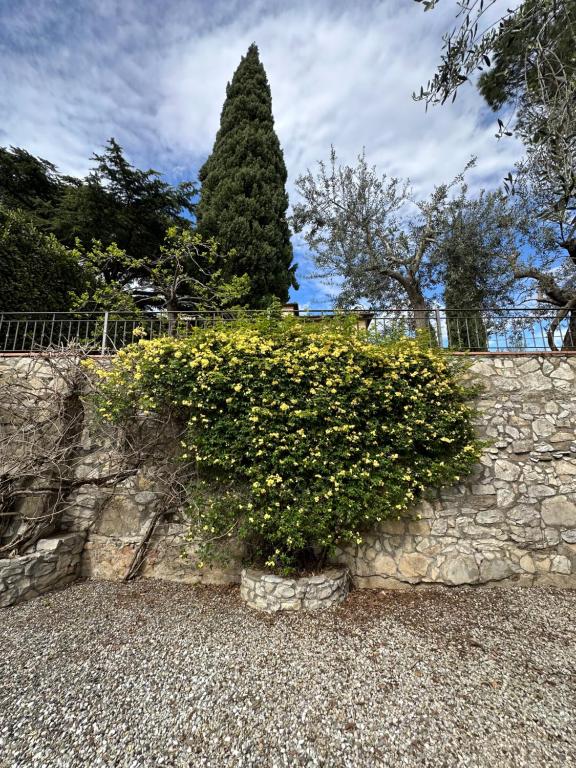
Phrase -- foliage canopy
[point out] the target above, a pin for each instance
(243, 199)
(37, 273)
(303, 435)
(117, 207)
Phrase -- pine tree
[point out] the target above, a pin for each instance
(243, 199)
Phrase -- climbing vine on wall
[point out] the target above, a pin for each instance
(303, 435)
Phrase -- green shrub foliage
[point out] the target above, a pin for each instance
(37, 273)
(317, 433)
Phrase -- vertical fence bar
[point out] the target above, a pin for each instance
(16, 335)
(438, 328)
(52, 328)
(104, 333)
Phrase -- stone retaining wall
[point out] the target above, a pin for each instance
(53, 563)
(512, 521)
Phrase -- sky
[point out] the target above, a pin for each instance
(153, 74)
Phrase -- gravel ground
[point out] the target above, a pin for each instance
(160, 674)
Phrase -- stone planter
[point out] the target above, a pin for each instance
(266, 592)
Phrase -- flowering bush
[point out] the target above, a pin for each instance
(304, 435)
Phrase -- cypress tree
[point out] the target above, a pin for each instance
(243, 199)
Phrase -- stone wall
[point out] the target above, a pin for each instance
(513, 520)
(120, 525)
(267, 592)
(52, 564)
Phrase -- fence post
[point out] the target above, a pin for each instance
(104, 334)
(439, 327)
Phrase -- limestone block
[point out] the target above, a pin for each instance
(461, 569)
(524, 514)
(563, 372)
(285, 590)
(541, 491)
(431, 547)
(439, 527)
(527, 564)
(384, 565)
(381, 582)
(495, 569)
(507, 470)
(559, 510)
(526, 535)
(484, 501)
(561, 564)
(121, 517)
(551, 536)
(529, 366)
(424, 509)
(566, 467)
(41, 566)
(561, 440)
(49, 545)
(483, 489)
(558, 580)
(489, 517)
(395, 527)
(419, 527)
(413, 565)
(542, 564)
(468, 529)
(543, 427)
(536, 382)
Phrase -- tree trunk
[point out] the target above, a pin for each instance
(422, 324)
(172, 311)
(569, 340)
(421, 316)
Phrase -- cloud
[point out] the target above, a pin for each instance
(74, 72)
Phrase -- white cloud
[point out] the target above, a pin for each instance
(73, 73)
(155, 77)
(337, 76)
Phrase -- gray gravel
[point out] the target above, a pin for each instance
(160, 674)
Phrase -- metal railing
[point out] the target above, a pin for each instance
(465, 330)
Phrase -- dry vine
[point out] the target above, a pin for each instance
(48, 437)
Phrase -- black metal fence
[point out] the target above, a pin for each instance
(465, 330)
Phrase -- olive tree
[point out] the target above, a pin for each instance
(373, 234)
